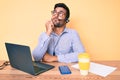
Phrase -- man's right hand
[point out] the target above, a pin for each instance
(49, 27)
(49, 58)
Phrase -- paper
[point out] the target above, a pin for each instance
(98, 69)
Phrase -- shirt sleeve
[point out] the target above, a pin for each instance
(77, 47)
(41, 48)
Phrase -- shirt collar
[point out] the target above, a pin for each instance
(65, 31)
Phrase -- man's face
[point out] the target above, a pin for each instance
(58, 17)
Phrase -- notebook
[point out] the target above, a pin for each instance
(21, 59)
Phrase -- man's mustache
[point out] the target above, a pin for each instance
(60, 19)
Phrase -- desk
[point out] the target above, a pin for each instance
(9, 73)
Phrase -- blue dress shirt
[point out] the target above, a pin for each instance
(65, 46)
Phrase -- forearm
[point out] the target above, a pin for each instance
(41, 48)
(68, 58)
(72, 56)
(49, 58)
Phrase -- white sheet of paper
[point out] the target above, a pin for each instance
(98, 69)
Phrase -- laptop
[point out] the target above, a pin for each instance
(21, 59)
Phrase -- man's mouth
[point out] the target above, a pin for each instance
(56, 20)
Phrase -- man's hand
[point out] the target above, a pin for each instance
(49, 58)
(49, 27)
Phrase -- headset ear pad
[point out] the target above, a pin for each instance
(67, 20)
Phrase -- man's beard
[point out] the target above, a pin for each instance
(58, 24)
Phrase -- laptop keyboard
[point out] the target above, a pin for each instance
(42, 65)
(36, 68)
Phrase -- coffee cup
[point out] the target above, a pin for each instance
(84, 63)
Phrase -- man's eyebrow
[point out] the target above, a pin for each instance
(60, 11)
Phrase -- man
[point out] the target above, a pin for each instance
(58, 43)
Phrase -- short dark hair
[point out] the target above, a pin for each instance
(65, 7)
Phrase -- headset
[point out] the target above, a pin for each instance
(67, 20)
